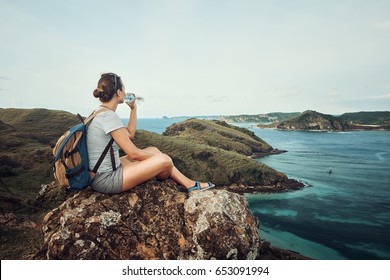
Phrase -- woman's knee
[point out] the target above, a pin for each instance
(165, 160)
(165, 165)
(153, 150)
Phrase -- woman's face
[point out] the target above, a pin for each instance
(121, 95)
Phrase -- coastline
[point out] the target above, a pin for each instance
(356, 127)
(273, 152)
(353, 128)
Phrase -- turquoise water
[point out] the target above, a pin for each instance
(155, 125)
(344, 214)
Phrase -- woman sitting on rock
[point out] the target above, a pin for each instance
(139, 165)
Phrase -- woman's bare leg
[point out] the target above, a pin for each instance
(135, 173)
(176, 175)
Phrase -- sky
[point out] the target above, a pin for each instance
(198, 57)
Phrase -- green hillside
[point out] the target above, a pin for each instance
(26, 138)
(209, 163)
(368, 118)
(219, 134)
(47, 123)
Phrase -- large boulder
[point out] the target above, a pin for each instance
(156, 220)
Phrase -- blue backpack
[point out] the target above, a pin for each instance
(71, 161)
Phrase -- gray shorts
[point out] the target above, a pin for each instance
(108, 182)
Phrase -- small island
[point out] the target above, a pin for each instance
(312, 120)
(315, 121)
(309, 120)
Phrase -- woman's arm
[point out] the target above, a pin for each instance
(132, 125)
(122, 139)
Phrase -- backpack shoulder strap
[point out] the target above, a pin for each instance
(109, 145)
(87, 121)
(100, 160)
(94, 114)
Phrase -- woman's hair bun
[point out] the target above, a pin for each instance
(98, 93)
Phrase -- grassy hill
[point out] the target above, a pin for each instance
(219, 134)
(5, 127)
(26, 138)
(45, 123)
(207, 163)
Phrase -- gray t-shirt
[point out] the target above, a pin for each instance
(98, 136)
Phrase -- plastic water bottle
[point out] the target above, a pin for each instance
(129, 97)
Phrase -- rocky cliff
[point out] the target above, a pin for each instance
(155, 220)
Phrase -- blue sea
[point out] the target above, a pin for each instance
(344, 212)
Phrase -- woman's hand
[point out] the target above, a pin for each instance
(132, 105)
(132, 125)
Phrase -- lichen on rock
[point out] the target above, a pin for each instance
(220, 221)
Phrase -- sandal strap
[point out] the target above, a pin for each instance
(196, 187)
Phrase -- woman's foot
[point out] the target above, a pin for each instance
(201, 186)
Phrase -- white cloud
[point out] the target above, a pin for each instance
(186, 56)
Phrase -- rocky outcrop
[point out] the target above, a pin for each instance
(277, 187)
(156, 220)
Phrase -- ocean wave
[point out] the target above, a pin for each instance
(380, 155)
